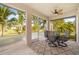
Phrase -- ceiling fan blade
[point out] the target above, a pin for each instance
(52, 12)
(60, 10)
(60, 13)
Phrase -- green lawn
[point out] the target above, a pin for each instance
(6, 40)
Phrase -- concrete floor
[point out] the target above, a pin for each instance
(40, 47)
(18, 48)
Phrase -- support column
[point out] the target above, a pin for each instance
(48, 23)
(77, 28)
(28, 27)
(50, 27)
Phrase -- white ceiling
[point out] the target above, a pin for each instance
(46, 8)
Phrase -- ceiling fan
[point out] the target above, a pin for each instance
(57, 11)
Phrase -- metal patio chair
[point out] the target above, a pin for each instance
(54, 38)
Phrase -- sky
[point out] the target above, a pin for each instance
(12, 16)
(72, 19)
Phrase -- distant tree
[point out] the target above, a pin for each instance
(4, 13)
(59, 25)
(35, 23)
(12, 22)
(70, 27)
(21, 27)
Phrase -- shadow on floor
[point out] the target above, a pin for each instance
(42, 48)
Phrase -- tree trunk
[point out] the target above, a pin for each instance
(2, 31)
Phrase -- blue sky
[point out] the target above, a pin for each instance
(71, 19)
(13, 10)
(12, 16)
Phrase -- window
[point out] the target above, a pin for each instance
(65, 24)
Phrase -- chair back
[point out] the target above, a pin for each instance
(52, 35)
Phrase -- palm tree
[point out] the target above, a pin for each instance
(12, 22)
(21, 17)
(21, 21)
(70, 27)
(59, 25)
(17, 22)
(38, 22)
(35, 23)
(4, 13)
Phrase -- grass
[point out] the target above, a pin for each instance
(9, 39)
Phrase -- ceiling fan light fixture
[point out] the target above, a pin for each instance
(57, 12)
